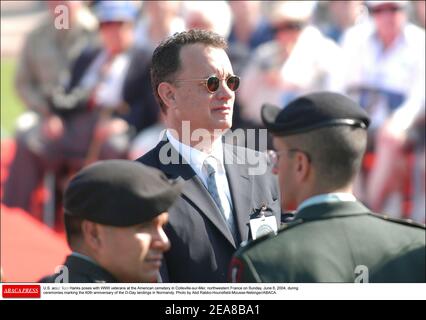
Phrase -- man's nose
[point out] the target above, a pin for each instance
(160, 240)
(224, 93)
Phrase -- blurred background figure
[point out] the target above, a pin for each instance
(419, 8)
(214, 16)
(384, 70)
(128, 87)
(43, 63)
(47, 53)
(341, 15)
(159, 20)
(147, 139)
(106, 95)
(298, 60)
(249, 30)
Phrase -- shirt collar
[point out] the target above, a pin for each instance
(327, 198)
(195, 158)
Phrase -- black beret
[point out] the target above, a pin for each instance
(313, 111)
(120, 193)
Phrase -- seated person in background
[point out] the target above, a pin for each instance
(213, 16)
(420, 13)
(45, 56)
(249, 29)
(384, 71)
(115, 211)
(299, 60)
(159, 19)
(107, 93)
(341, 15)
(320, 140)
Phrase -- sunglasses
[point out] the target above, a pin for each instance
(383, 9)
(288, 26)
(212, 83)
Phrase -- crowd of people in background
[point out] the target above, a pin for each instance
(88, 92)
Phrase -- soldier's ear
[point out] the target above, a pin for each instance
(167, 93)
(303, 166)
(90, 232)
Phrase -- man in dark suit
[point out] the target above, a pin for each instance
(320, 140)
(115, 211)
(226, 185)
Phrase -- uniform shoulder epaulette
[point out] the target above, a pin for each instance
(407, 222)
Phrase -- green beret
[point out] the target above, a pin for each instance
(120, 193)
(314, 111)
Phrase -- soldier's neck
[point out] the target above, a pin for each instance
(315, 192)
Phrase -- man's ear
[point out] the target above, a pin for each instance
(167, 92)
(91, 234)
(303, 166)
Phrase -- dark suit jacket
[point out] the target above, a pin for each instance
(336, 242)
(82, 271)
(201, 243)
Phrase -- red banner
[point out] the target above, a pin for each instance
(21, 291)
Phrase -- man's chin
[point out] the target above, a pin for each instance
(223, 124)
(154, 279)
(150, 276)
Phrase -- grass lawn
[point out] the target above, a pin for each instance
(11, 106)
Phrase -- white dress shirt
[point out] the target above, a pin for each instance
(195, 158)
(399, 69)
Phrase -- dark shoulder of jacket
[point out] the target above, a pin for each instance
(151, 158)
(289, 225)
(252, 243)
(406, 222)
(248, 245)
(48, 279)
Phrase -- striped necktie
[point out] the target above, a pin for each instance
(214, 192)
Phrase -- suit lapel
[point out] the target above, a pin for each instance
(194, 191)
(172, 163)
(241, 188)
(197, 195)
